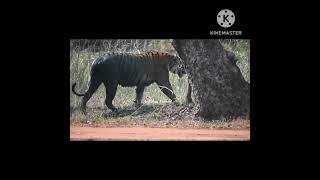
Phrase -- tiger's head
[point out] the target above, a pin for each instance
(174, 62)
(177, 66)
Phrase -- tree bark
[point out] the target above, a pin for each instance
(218, 87)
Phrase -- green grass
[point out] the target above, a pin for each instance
(241, 48)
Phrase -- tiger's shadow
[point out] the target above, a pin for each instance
(122, 111)
(131, 111)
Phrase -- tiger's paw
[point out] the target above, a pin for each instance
(137, 104)
(176, 103)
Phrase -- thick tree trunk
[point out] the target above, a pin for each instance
(218, 87)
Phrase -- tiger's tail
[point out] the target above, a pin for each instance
(73, 87)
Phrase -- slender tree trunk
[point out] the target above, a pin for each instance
(218, 87)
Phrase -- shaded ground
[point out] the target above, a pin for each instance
(154, 112)
(163, 111)
(153, 122)
(156, 134)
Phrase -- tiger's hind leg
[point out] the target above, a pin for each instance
(139, 95)
(93, 86)
(111, 90)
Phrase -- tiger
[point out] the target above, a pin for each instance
(132, 70)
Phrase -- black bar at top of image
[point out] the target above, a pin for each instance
(184, 27)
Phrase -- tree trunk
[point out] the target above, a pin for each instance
(218, 87)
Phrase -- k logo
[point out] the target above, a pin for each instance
(225, 18)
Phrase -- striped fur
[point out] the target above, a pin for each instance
(127, 69)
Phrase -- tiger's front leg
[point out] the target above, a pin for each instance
(111, 89)
(167, 90)
(189, 99)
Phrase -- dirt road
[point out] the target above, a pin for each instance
(156, 134)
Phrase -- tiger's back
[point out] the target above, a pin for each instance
(130, 69)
